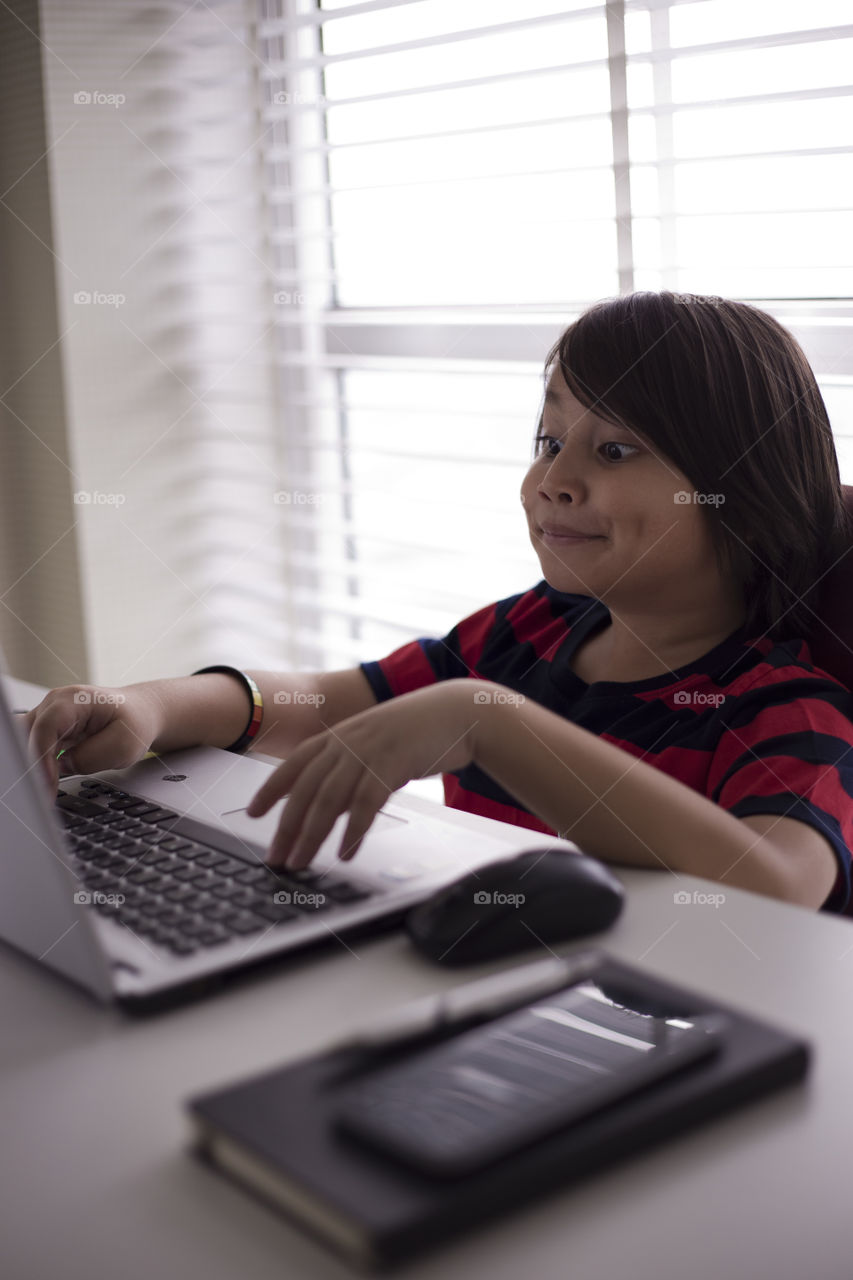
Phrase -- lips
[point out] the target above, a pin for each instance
(563, 531)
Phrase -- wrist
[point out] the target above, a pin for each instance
(196, 711)
(485, 705)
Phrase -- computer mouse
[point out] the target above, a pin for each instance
(539, 896)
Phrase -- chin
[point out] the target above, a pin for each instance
(568, 583)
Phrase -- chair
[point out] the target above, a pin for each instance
(831, 644)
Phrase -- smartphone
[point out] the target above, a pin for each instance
(469, 1101)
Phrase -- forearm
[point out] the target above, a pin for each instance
(212, 710)
(612, 804)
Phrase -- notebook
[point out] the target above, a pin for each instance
(276, 1134)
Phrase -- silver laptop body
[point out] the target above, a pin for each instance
(404, 858)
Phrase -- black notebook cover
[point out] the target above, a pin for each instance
(273, 1133)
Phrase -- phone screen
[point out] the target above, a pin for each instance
(454, 1108)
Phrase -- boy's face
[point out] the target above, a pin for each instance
(651, 548)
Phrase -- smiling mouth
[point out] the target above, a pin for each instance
(551, 535)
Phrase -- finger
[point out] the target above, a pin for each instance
(327, 803)
(53, 728)
(367, 800)
(280, 781)
(301, 793)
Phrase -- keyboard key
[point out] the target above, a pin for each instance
(205, 881)
(142, 875)
(254, 875)
(213, 936)
(152, 906)
(77, 805)
(217, 910)
(170, 916)
(229, 866)
(180, 945)
(191, 926)
(162, 885)
(140, 807)
(211, 859)
(343, 891)
(180, 893)
(152, 836)
(122, 802)
(157, 815)
(185, 870)
(246, 897)
(275, 912)
(173, 843)
(225, 888)
(242, 922)
(166, 864)
(71, 820)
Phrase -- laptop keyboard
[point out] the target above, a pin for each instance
(179, 893)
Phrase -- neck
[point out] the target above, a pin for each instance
(637, 647)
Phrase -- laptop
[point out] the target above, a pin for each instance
(147, 885)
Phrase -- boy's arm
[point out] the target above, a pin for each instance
(212, 709)
(622, 810)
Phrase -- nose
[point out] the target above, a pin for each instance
(560, 483)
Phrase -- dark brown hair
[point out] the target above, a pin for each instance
(726, 393)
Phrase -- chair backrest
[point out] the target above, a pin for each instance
(832, 642)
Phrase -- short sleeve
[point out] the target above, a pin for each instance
(788, 750)
(426, 661)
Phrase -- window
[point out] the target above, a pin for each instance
(452, 181)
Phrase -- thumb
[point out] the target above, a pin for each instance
(113, 747)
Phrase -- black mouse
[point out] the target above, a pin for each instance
(542, 895)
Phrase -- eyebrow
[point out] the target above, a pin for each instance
(551, 397)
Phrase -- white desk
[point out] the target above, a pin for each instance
(98, 1182)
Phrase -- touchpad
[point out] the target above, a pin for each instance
(262, 830)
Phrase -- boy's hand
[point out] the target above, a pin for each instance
(356, 765)
(102, 728)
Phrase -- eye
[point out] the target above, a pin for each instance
(547, 445)
(616, 444)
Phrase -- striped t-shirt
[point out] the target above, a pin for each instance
(753, 724)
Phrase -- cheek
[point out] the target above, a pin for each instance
(528, 487)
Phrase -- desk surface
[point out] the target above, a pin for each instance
(99, 1181)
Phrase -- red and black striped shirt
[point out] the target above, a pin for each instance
(753, 724)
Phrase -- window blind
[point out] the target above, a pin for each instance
(346, 235)
(451, 182)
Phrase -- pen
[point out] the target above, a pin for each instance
(472, 1003)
